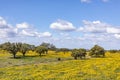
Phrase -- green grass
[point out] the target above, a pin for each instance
(7, 59)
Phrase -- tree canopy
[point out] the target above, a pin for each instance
(97, 51)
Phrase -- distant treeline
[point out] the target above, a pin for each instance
(114, 51)
(14, 48)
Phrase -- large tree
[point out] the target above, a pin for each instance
(97, 51)
(13, 48)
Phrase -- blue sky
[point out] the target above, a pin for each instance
(65, 23)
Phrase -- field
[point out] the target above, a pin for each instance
(47, 67)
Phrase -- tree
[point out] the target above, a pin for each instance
(5, 46)
(75, 53)
(64, 50)
(49, 46)
(97, 51)
(13, 48)
(24, 48)
(52, 47)
(113, 51)
(81, 53)
(32, 47)
(41, 50)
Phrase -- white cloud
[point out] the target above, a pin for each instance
(6, 30)
(4, 24)
(113, 30)
(22, 30)
(25, 33)
(98, 27)
(117, 36)
(23, 25)
(62, 25)
(86, 1)
(5, 33)
(34, 33)
(44, 34)
(98, 32)
(93, 27)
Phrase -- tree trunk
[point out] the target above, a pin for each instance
(46, 52)
(40, 54)
(75, 57)
(14, 55)
(24, 54)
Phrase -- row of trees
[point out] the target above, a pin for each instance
(13, 48)
(96, 51)
(114, 51)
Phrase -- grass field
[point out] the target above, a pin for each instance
(47, 67)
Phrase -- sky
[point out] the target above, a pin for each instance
(64, 23)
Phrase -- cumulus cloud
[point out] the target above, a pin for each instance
(44, 34)
(101, 30)
(3, 23)
(93, 27)
(31, 33)
(113, 30)
(23, 25)
(62, 25)
(117, 36)
(98, 27)
(6, 30)
(20, 30)
(26, 33)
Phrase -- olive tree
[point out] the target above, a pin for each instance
(81, 53)
(97, 51)
(24, 48)
(41, 50)
(48, 45)
(13, 48)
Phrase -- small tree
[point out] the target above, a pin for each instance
(97, 51)
(78, 53)
(24, 48)
(49, 46)
(82, 53)
(64, 50)
(41, 50)
(75, 53)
